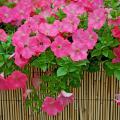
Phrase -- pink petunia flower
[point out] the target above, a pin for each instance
(97, 4)
(21, 36)
(79, 51)
(117, 54)
(3, 35)
(97, 18)
(68, 24)
(14, 81)
(92, 38)
(6, 14)
(48, 29)
(117, 100)
(51, 106)
(23, 12)
(58, 4)
(81, 36)
(64, 26)
(65, 98)
(116, 32)
(19, 60)
(74, 21)
(61, 47)
(73, 9)
(87, 5)
(39, 43)
(115, 22)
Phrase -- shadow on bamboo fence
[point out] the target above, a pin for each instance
(93, 101)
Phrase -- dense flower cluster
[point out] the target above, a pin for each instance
(53, 25)
(36, 34)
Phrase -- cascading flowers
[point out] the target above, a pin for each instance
(70, 36)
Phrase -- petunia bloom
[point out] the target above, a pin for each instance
(116, 32)
(3, 35)
(61, 47)
(48, 29)
(97, 18)
(78, 52)
(51, 106)
(65, 98)
(117, 54)
(39, 43)
(117, 100)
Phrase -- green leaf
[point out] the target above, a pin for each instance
(63, 61)
(96, 52)
(117, 74)
(1, 63)
(82, 63)
(43, 67)
(51, 19)
(61, 14)
(62, 71)
(108, 53)
(72, 68)
(38, 10)
(74, 79)
(94, 66)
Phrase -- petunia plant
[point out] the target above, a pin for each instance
(62, 38)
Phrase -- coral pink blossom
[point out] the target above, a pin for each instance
(97, 3)
(117, 100)
(73, 20)
(17, 80)
(61, 47)
(115, 22)
(88, 6)
(79, 51)
(64, 26)
(13, 81)
(23, 12)
(73, 9)
(81, 36)
(92, 38)
(26, 52)
(70, 24)
(3, 35)
(117, 54)
(97, 18)
(19, 60)
(39, 43)
(65, 98)
(116, 32)
(6, 14)
(44, 4)
(48, 29)
(51, 106)
(58, 4)
(21, 36)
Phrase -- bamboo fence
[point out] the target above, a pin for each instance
(94, 100)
